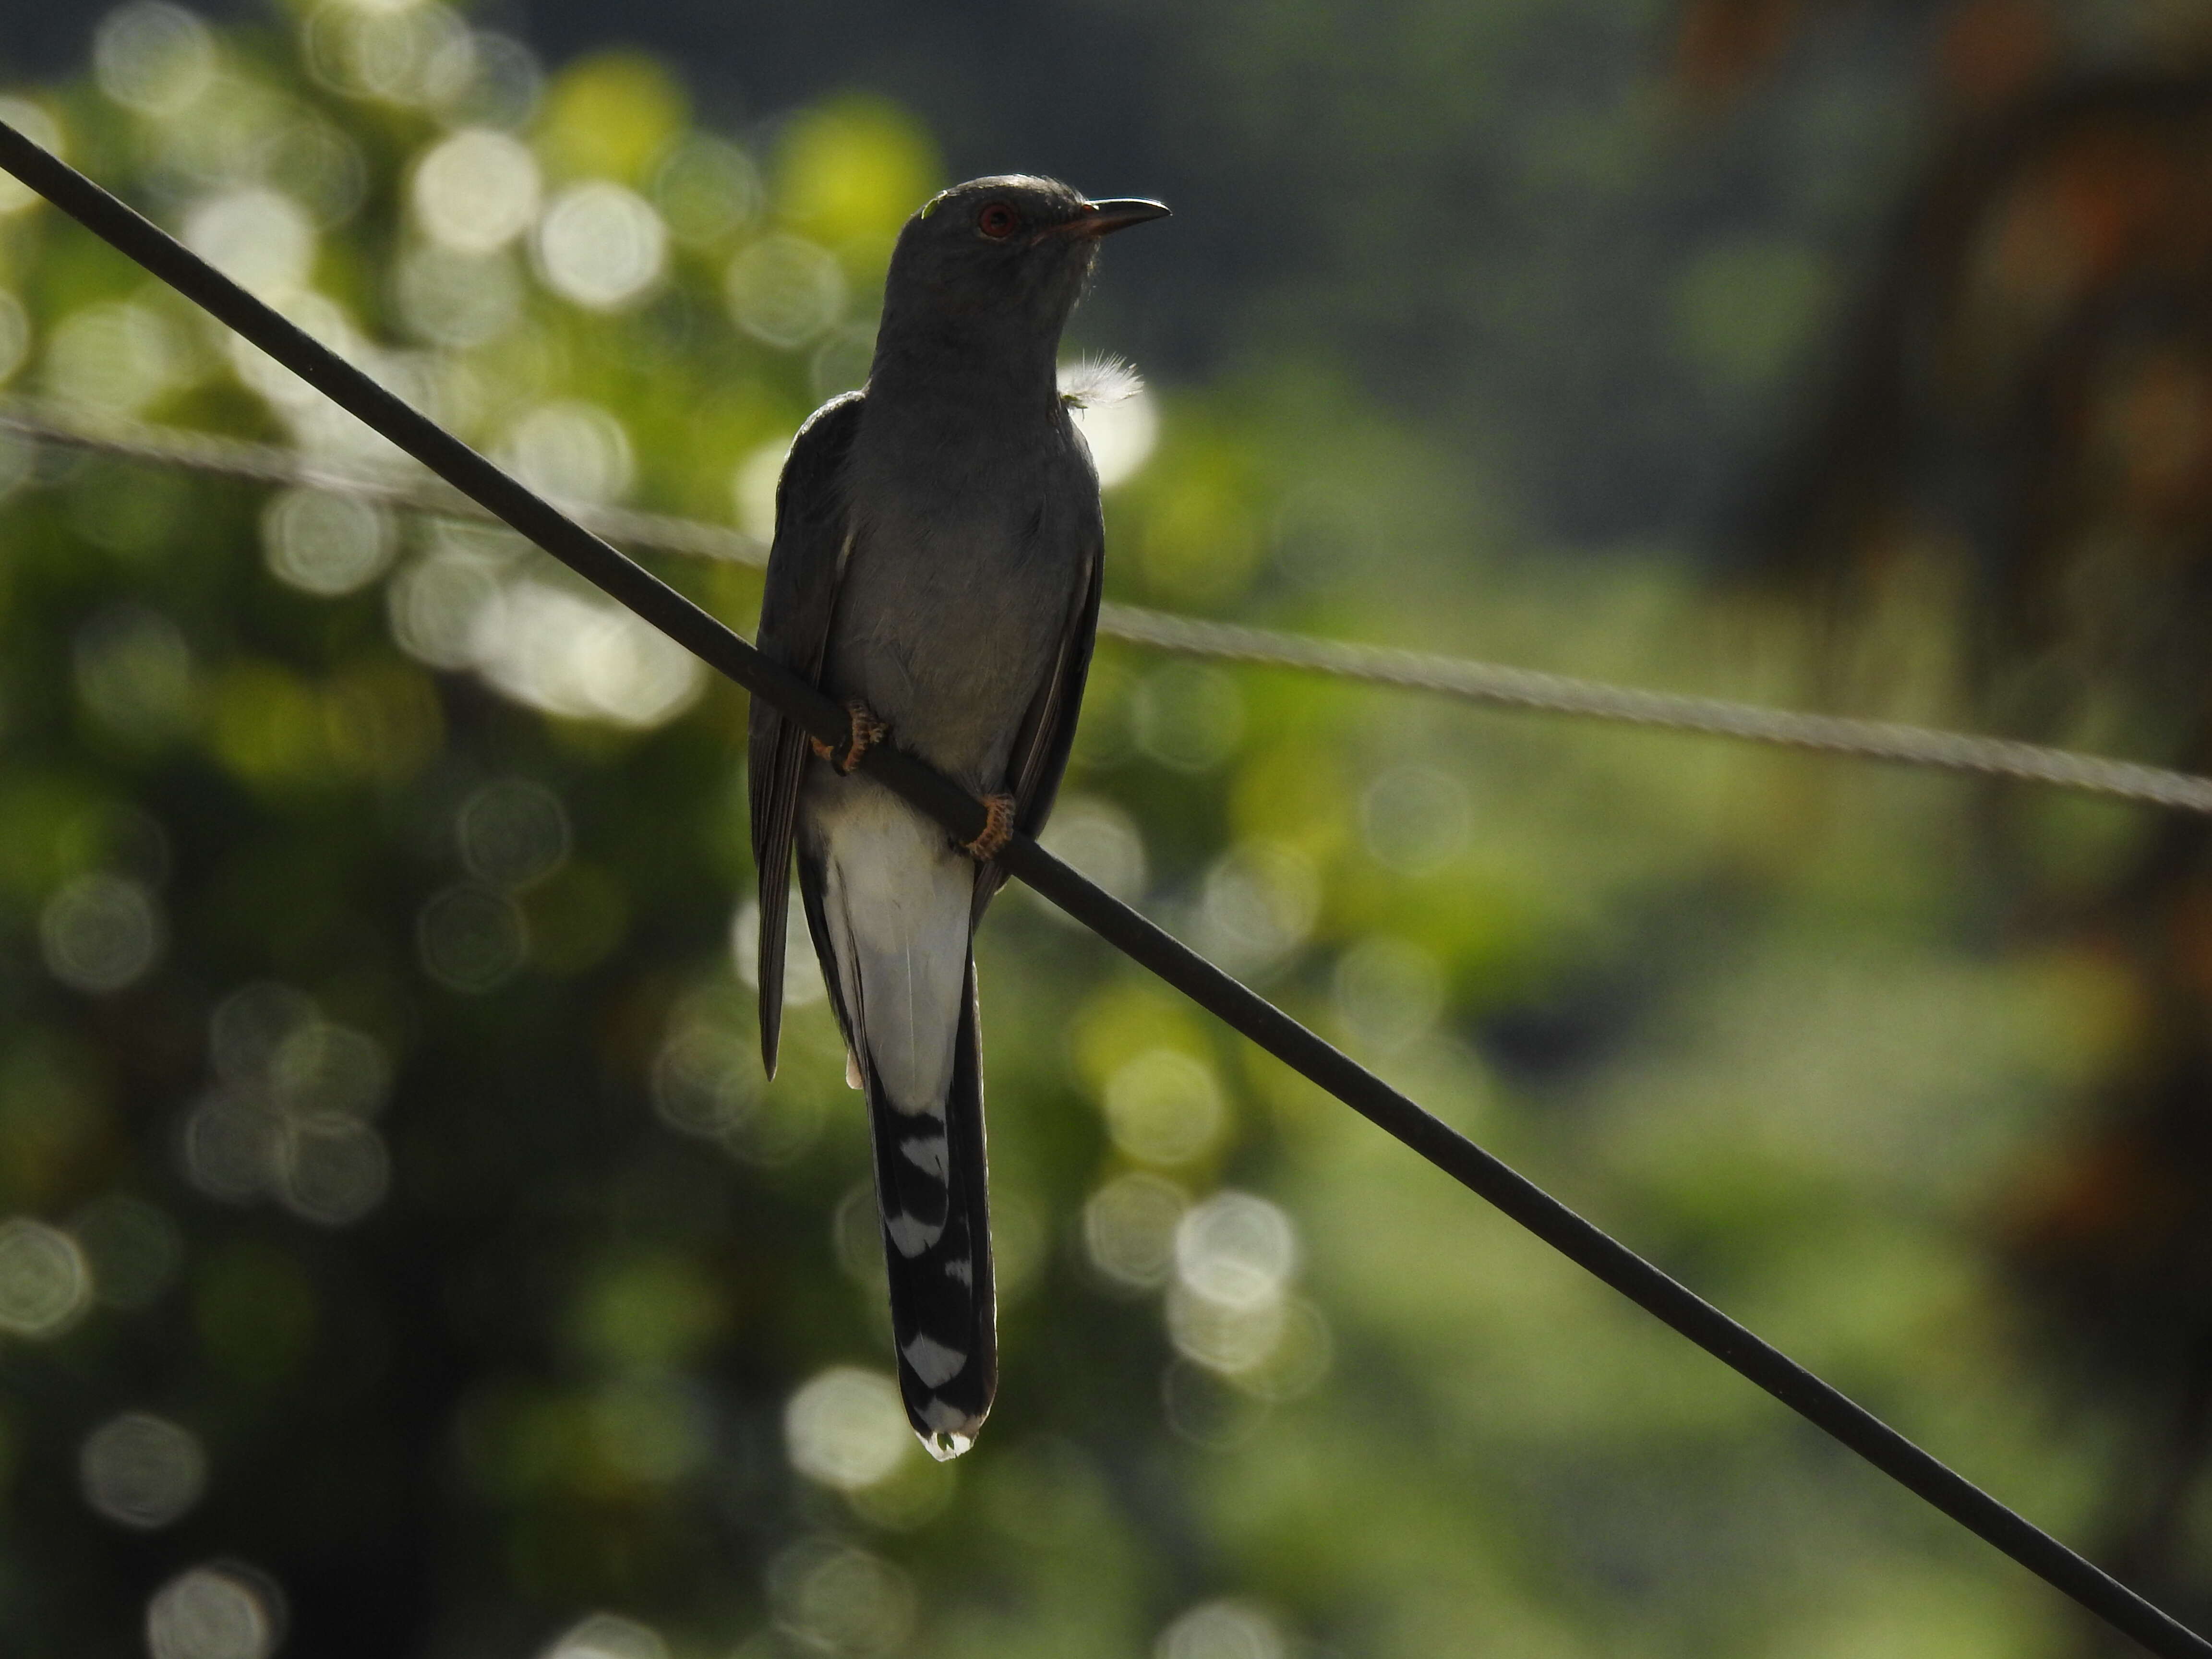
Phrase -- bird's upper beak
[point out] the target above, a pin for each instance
(1104, 218)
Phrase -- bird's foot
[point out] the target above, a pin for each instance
(867, 732)
(997, 829)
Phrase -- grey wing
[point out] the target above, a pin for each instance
(805, 567)
(1047, 730)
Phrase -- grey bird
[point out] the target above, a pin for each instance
(936, 567)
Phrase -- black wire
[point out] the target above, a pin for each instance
(1678, 1307)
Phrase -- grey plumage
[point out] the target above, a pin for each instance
(937, 559)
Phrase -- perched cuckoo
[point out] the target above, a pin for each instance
(936, 568)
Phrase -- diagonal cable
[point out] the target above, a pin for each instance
(1461, 677)
(656, 603)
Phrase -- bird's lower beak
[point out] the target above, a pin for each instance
(1104, 218)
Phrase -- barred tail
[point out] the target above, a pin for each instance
(890, 909)
(930, 1189)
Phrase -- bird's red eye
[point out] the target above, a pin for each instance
(998, 221)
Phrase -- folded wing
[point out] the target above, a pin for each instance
(805, 566)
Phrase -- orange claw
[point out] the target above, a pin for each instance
(867, 732)
(997, 829)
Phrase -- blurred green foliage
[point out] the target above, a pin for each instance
(377, 1100)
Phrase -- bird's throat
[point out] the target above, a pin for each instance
(964, 376)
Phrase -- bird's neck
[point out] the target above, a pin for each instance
(959, 367)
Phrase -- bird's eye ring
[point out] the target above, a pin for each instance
(998, 221)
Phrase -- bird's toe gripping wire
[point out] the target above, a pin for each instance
(997, 829)
(867, 732)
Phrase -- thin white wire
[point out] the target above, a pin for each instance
(1460, 677)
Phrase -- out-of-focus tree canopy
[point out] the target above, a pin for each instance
(399, 1250)
(2017, 453)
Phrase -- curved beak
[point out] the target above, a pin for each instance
(1104, 218)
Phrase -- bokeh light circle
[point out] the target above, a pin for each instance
(259, 238)
(1129, 1229)
(571, 451)
(1164, 1107)
(601, 246)
(1389, 992)
(1235, 1249)
(213, 1613)
(101, 933)
(471, 939)
(141, 1471)
(44, 1281)
(322, 1067)
(1257, 907)
(332, 1169)
(153, 58)
(326, 545)
(115, 357)
(476, 190)
(607, 1635)
(1415, 819)
(1104, 842)
(512, 831)
(455, 299)
(832, 1596)
(1223, 1630)
(1230, 1337)
(706, 188)
(846, 1428)
(784, 290)
(586, 658)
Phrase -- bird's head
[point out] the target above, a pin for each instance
(1014, 250)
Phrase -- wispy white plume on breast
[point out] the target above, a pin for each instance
(1092, 382)
(1107, 400)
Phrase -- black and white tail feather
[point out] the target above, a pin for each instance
(932, 1187)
